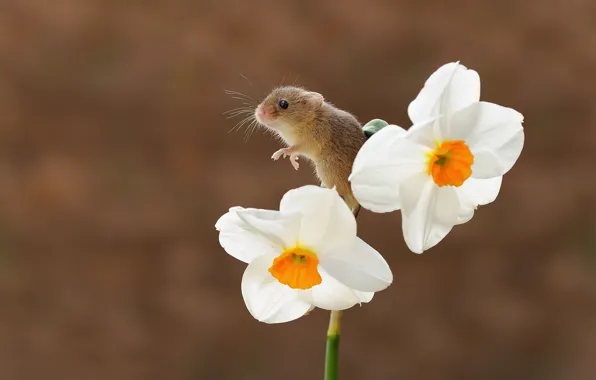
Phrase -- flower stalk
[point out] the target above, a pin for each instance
(332, 349)
(333, 335)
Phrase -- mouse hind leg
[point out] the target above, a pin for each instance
(331, 179)
(349, 198)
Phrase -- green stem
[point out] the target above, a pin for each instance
(332, 351)
(333, 334)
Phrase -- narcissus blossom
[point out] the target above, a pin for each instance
(305, 255)
(449, 162)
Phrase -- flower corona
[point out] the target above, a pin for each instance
(451, 163)
(297, 268)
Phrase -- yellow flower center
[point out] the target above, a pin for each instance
(451, 163)
(297, 268)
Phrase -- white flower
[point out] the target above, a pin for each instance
(449, 162)
(305, 255)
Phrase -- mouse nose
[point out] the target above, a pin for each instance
(264, 113)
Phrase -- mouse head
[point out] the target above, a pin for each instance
(288, 106)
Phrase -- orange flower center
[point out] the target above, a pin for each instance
(297, 268)
(451, 163)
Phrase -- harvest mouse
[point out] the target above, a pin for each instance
(315, 129)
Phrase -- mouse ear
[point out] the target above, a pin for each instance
(316, 98)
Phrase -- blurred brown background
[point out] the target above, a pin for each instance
(116, 161)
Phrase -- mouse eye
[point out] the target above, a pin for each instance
(284, 104)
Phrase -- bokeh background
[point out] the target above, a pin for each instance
(116, 161)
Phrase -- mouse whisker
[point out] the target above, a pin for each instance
(240, 108)
(238, 111)
(244, 101)
(237, 114)
(248, 131)
(241, 123)
(232, 92)
(251, 129)
(248, 80)
(239, 96)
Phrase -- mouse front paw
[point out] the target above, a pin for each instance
(287, 152)
(284, 151)
(294, 160)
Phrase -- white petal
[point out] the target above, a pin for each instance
(267, 299)
(488, 164)
(450, 88)
(361, 267)
(281, 229)
(364, 297)
(382, 163)
(240, 240)
(377, 149)
(496, 139)
(465, 214)
(479, 191)
(476, 192)
(428, 132)
(333, 295)
(429, 212)
(327, 222)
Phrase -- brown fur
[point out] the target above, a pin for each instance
(328, 136)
